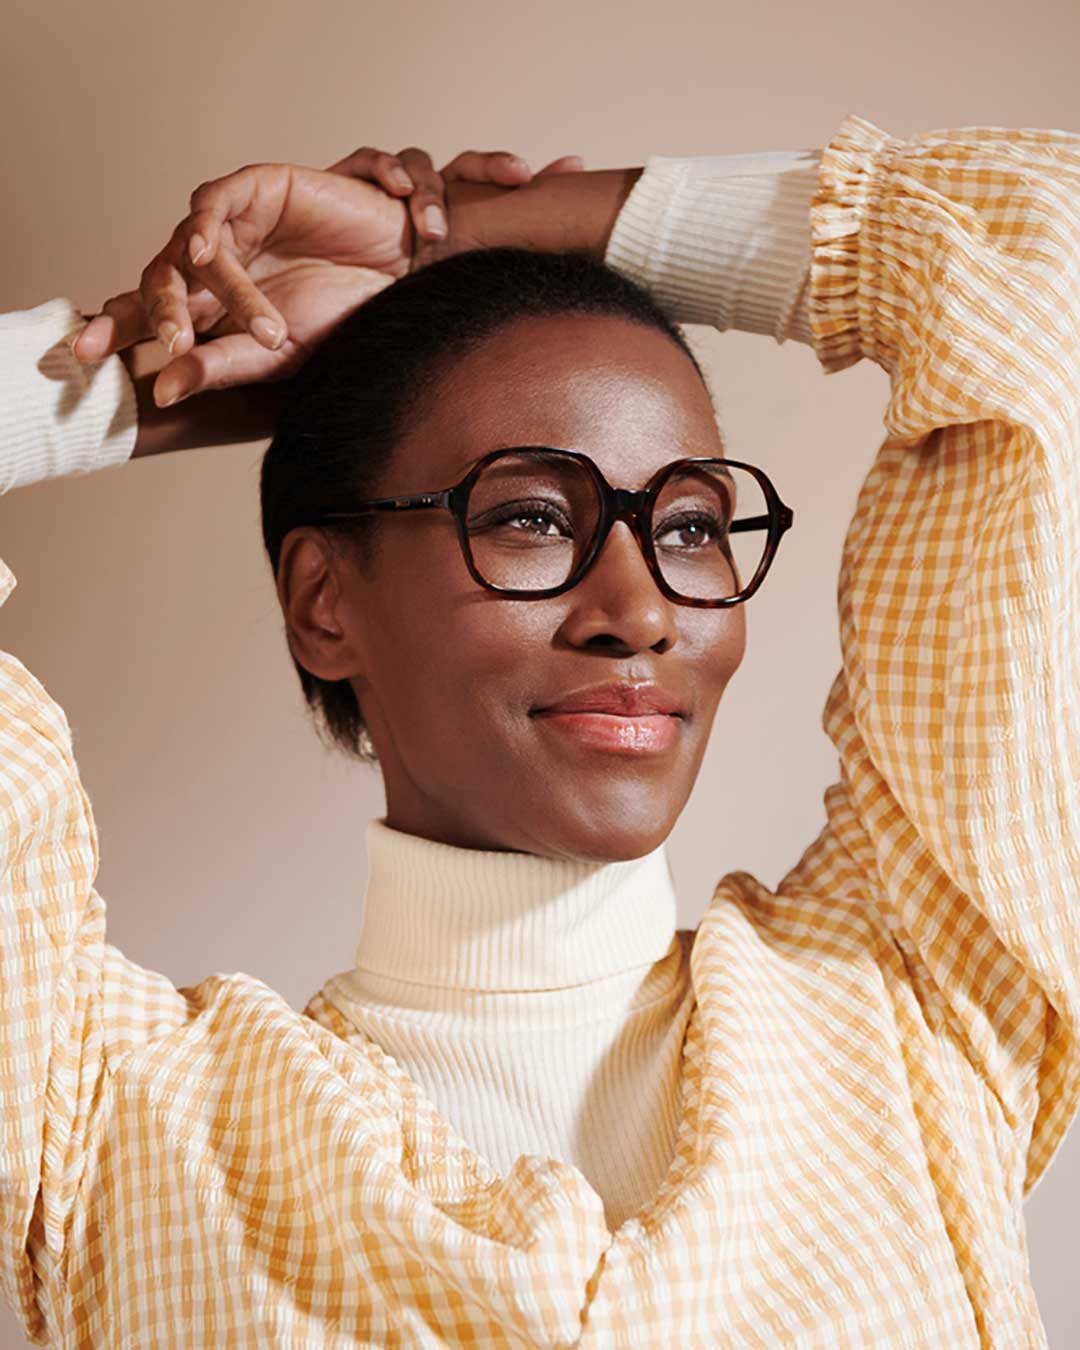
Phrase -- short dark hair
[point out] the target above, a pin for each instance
(352, 402)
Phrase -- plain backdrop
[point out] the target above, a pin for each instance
(230, 840)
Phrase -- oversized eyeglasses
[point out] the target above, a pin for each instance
(531, 521)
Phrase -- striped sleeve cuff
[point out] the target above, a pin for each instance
(723, 239)
(58, 416)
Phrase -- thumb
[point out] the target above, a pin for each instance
(233, 359)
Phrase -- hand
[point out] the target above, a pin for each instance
(271, 257)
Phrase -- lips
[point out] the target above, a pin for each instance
(620, 700)
(616, 719)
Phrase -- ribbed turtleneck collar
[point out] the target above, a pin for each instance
(465, 918)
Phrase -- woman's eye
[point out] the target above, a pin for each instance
(691, 533)
(534, 524)
(542, 520)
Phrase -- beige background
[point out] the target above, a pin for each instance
(230, 840)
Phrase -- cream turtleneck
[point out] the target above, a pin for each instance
(540, 1004)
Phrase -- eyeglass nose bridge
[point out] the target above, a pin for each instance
(623, 504)
(626, 504)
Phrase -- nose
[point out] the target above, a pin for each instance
(617, 604)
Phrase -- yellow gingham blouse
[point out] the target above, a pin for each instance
(883, 1056)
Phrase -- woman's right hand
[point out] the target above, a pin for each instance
(272, 256)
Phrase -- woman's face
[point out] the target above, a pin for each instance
(452, 680)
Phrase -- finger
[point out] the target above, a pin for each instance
(164, 291)
(92, 344)
(427, 205)
(227, 279)
(200, 236)
(226, 361)
(488, 166)
(567, 164)
(376, 166)
(221, 200)
(121, 323)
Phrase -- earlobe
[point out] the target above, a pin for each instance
(319, 625)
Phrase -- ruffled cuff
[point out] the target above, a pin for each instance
(846, 295)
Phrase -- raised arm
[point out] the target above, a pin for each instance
(953, 260)
(70, 1003)
(57, 418)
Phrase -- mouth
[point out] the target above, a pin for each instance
(617, 718)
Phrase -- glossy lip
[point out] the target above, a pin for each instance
(618, 699)
(646, 734)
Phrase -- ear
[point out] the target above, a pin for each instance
(321, 629)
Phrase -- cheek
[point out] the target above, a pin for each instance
(714, 644)
(450, 665)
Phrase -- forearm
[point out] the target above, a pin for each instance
(569, 211)
(721, 240)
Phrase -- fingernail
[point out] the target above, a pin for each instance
(168, 334)
(176, 398)
(267, 332)
(434, 221)
(401, 179)
(518, 163)
(197, 246)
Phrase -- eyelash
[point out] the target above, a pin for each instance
(543, 510)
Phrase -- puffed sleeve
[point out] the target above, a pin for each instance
(952, 260)
(69, 1002)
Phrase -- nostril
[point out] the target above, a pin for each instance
(607, 640)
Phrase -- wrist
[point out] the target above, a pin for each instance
(558, 212)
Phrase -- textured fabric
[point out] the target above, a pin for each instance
(59, 416)
(540, 1005)
(881, 1059)
(723, 240)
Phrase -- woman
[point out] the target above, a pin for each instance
(814, 1118)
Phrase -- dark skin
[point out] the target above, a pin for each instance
(448, 675)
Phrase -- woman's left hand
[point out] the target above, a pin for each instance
(270, 258)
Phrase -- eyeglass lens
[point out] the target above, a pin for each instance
(531, 519)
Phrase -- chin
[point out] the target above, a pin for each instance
(599, 835)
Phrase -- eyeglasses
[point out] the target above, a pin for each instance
(531, 521)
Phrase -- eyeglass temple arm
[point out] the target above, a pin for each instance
(761, 522)
(418, 502)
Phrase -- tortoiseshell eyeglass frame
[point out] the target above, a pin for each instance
(635, 507)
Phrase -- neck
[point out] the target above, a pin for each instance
(440, 914)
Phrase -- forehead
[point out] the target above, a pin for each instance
(623, 393)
